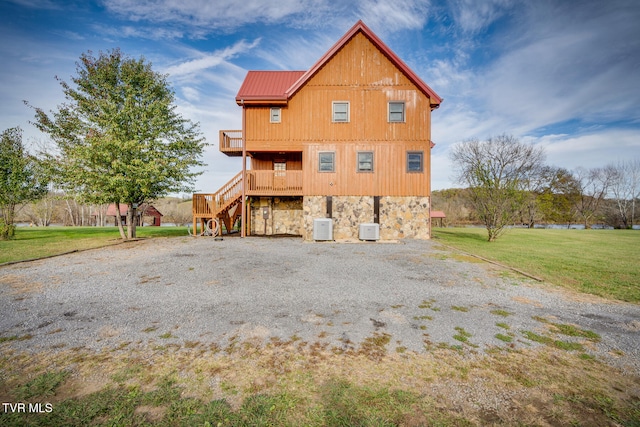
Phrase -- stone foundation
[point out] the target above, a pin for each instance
(404, 218)
(400, 217)
(285, 215)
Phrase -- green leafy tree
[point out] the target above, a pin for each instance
(497, 172)
(558, 196)
(118, 136)
(21, 179)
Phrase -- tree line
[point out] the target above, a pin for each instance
(117, 139)
(507, 182)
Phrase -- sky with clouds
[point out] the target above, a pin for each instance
(563, 74)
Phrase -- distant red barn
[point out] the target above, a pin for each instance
(144, 210)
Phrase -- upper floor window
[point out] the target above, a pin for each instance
(396, 112)
(326, 161)
(415, 161)
(275, 115)
(340, 113)
(365, 161)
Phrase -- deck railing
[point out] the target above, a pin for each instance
(259, 183)
(209, 205)
(274, 183)
(231, 142)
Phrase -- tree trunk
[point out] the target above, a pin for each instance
(131, 222)
(119, 222)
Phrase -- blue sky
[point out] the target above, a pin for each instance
(563, 74)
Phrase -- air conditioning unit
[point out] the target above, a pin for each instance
(323, 229)
(369, 231)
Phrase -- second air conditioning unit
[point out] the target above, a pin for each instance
(369, 232)
(323, 229)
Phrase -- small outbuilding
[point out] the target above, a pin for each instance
(144, 210)
(438, 215)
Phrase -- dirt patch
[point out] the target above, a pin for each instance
(20, 285)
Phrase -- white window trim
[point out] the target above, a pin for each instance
(279, 115)
(333, 112)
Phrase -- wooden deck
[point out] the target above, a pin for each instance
(231, 142)
(274, 183)
(224, 203)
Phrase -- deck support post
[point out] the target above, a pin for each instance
(243, 232)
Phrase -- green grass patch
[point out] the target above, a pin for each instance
(559, 344)
(43, 385)
(459, 308)
(38, 242)
(498, 312)
(503, 325)
(570, 330)
(462, 335)
(505, 338)
(598, 262)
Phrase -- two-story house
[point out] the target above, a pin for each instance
(348, 139)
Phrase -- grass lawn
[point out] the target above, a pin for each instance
(39, 242)
(599, 262)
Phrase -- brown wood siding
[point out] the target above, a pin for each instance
(264, 161)
(360, 74)
(389, 176)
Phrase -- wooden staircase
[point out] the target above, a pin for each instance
(224, 204)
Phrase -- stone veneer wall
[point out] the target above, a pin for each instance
(404, 217)
(285, 215)
(400, 217)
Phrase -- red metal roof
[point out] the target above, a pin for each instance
(149, 210)
(282, 85)
(267, 85)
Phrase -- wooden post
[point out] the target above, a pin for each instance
(243, 232)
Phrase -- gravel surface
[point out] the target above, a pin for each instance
(185, 290)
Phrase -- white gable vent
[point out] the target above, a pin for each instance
(323, 229)
(369, 231)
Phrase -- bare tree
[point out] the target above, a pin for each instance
(625, 188)
(496, 172)
(592, 185)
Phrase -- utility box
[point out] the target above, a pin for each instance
(323, 229)
(369, 232)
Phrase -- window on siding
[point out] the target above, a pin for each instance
(396, 112)
(365, 161)
(340, 111)
(327, 161)
(415, 161)
(275, 115)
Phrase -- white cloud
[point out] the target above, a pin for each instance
(385, 16)
(218, 14)
(191, 94)
(563, 63)
(211, 60)
(473, 16)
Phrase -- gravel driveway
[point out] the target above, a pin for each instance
(184, 290)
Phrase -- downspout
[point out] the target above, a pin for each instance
(243, 218)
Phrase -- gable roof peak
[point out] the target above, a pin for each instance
(360, 26)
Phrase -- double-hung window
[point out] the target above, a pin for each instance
(396, 112)
(275, 116)
(365, 161)
(415, 161)
(340, 112)
(326, 161)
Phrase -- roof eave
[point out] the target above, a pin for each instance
(261, 100)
